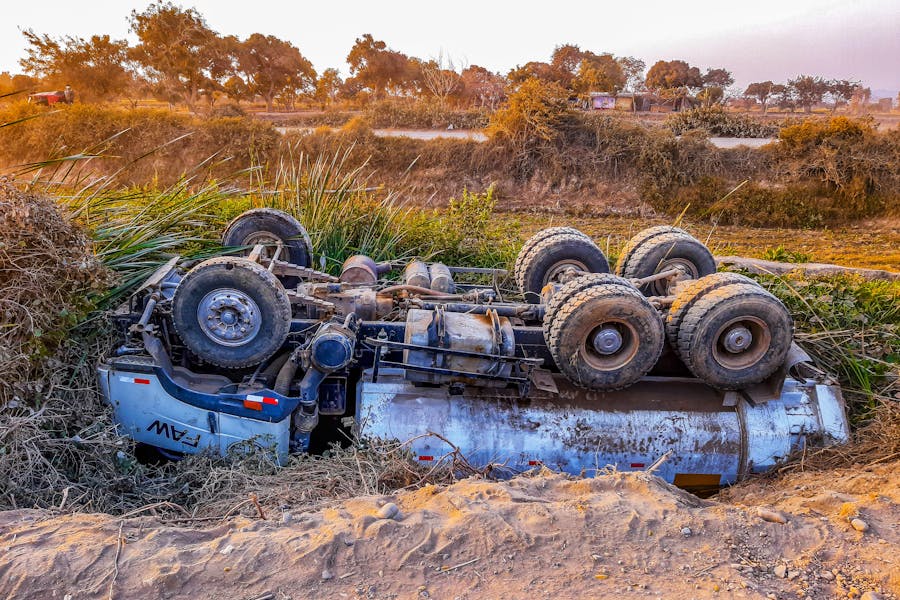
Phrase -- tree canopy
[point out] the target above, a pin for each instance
(379, 69)
(178, 53)
(97, 67)
(271, 66)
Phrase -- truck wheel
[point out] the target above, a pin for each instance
(566, 291)
(531, 242)
(270, 226)
(605, 337)
(638, 239)
(553, 256)
(667, 251)
(735, 336)
(231, 312)
(692, 291)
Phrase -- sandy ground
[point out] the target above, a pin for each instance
(542, 536)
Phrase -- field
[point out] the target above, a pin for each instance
(870, 244)
(122, 191)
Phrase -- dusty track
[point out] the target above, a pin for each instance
(621, 535)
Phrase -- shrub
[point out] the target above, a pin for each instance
(424, 114)
(782, 254)
(715, 120)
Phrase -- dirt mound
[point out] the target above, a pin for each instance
(628, 535)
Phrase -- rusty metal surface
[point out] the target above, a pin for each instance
(583, 432)
(482, 333)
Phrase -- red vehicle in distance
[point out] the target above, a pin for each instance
(66, 96)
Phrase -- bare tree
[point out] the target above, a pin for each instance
(441, 77)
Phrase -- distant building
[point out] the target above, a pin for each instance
(624, 101)
(630, 102)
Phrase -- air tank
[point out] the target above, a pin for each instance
(416, 273)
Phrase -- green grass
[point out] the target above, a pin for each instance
(851, 327)
(782, 254)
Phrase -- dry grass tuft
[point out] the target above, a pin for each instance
(46, 273)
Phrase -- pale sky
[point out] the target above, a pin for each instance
(755, 39)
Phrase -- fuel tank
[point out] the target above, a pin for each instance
(699, 437)
(489, 335)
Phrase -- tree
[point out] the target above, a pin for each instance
(714, 83)
(565, 61)
(441, 77)
(237, 89)
(841, 91)
(673, 74)
(760, 91)
(633, 68)
(711, 95)
(179, 53)
(96, 68)
(599, 73)
(273, 67)
(674, 79)
(376, 67)
(808, 90)
(536, 70)
(482, 87)
(783, 96)
(721, 78)
(328, 85)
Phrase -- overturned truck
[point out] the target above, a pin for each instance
(666, 365)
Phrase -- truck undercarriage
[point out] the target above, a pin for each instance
(666, 365)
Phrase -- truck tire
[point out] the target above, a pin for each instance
(638, 239)
(566, 291)
(549, 257)
(735, 336)
(692, 291)
(605, 337)
(667, 251)
(531, 242)
(231, 312)
(269, 226)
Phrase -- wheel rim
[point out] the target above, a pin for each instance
(229, 317)
(742, 342)
(687, 269)
(561, 267)
(267, 239)
(610, 346)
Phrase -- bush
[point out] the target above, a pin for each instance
(424, 114)
(716, 121)
(47, 275)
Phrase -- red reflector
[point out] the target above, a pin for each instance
(532, 463)
(637, 465)
(252, 405)
(263, 400)
(425, 457)
(142, 381)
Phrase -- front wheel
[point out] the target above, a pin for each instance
(268, 226)
(231, 312)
